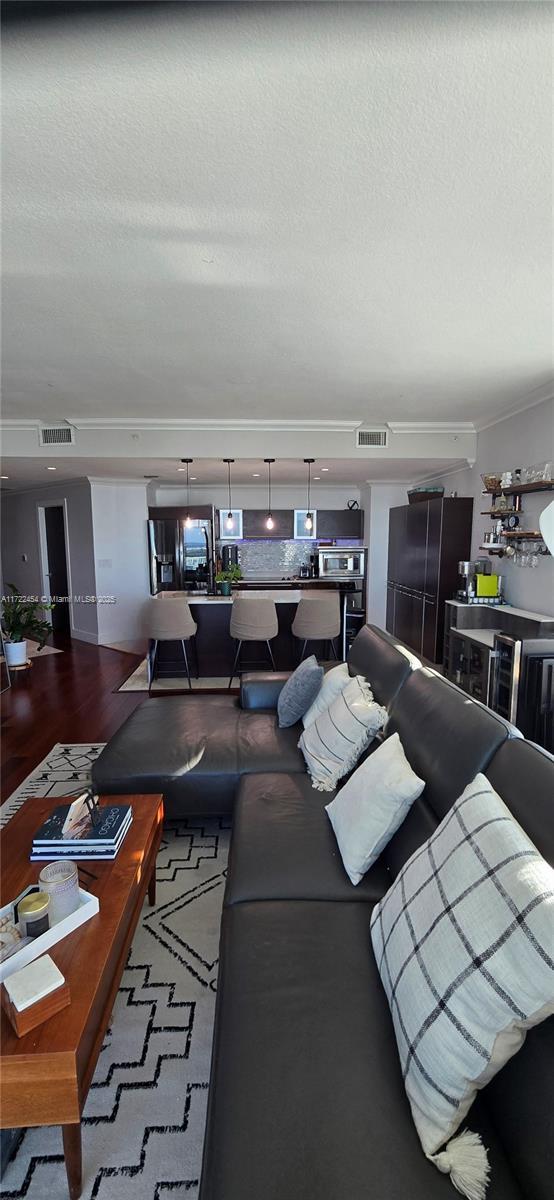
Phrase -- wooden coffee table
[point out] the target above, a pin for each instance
(45, 1075)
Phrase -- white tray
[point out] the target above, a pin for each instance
(88, 907)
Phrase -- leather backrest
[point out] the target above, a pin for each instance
(382, 660)
(447, 739)
(523, 775)
(521, 1098)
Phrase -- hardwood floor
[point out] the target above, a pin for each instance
(63, 697)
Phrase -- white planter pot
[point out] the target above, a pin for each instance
(16, 653)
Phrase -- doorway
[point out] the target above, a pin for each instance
(54, 564)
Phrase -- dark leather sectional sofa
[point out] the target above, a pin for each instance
(306, 1097)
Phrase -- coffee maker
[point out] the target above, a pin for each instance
(466, 587)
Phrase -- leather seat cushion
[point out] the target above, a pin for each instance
(284, 848)
(193, 749)
(306, 1098)
(183, 746)
(263, 746)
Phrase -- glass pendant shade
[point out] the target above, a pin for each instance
(269, 519)
(229, 520)
(309, 521)
(188, 519)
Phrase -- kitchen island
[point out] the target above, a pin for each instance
(216, 649)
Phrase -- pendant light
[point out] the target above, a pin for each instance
(269, 520)
(229, 520)
(309, 521)
(188, 518)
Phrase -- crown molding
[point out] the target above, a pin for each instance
(227, 424)
(538, 396)
(431, 426)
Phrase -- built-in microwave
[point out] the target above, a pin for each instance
(341, 562)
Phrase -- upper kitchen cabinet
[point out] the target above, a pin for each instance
(340, 523)
(254, 524)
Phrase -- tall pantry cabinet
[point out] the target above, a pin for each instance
(426, 542)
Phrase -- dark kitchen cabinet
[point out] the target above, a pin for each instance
(254, 523)
(426, 542)
(340, 523)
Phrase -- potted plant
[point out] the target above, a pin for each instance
(22, 618)
(225, 579)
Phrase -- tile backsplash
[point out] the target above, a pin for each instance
(273, 559)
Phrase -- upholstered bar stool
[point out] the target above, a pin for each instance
(252, 621)
(169, 620)
(317, 619)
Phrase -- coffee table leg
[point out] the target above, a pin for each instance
(73, 1158)
(152, 887)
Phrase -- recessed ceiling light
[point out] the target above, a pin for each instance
(193, 477)
(325, 468)
(256, 475)
(4, 477)
(51, 468)
(181, 468)
(317, 477)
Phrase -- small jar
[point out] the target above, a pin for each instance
(60, 880)
(33, 913)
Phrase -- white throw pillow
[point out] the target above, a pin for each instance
(332, 744)
(333, 682)
(372, 804)
(464, 944)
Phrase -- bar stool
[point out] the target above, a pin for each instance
(169, 620)
(252, 621)
(317, 619)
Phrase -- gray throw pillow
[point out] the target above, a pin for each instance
(299, 692)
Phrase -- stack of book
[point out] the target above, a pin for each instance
(96, 832)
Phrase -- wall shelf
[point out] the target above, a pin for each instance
(521, 489)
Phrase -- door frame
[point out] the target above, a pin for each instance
(41, 506)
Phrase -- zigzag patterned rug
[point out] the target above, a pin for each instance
(143, 1123)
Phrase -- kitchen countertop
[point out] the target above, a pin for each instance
(279, 595)
(485, 637)
(505, 608)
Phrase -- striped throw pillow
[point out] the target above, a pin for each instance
(332, 744)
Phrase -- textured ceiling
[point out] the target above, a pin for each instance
(24, 472)
(277, 210)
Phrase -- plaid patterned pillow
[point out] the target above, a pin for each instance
(464, 943)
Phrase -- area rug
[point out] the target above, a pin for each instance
(143, 1123)
(138, 682)
(34, 652)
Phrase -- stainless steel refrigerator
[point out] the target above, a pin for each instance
(181, 556)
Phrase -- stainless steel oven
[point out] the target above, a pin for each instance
(341, 562)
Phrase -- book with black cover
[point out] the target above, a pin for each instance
(79, 851)
(110, 820)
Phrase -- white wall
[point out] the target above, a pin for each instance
(519, 441)
(119, 516)
(377, 501)
(20, 539)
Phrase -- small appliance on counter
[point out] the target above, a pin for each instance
(478, 584)
(229, 556)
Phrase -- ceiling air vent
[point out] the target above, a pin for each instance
(56, 435)
(371, 437)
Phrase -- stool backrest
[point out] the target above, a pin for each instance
(253, 620)
(170, 619)
(317, 616)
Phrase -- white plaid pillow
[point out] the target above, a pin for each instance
(464, 943)
(332, 744)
